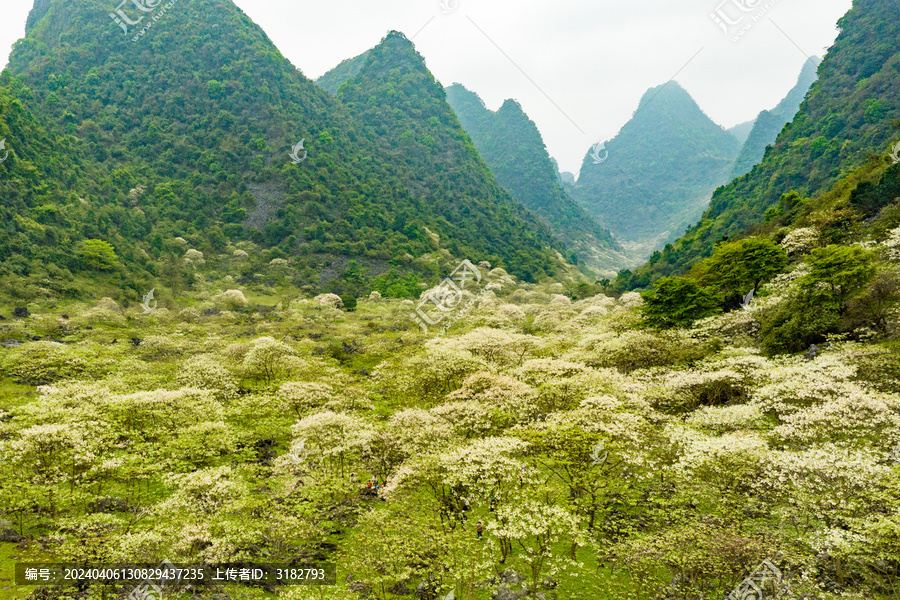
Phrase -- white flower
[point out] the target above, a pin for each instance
(329, 300)
(892, 245)
(194, 257)
(801, 241)
(231, 299)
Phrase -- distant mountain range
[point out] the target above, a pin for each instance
(655, 178)
(849, 118)
(512, 146)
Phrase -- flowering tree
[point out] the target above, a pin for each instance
(208, 373)
(493, 345)
(53, 454)
(337, 438)
(267, 359)
(578, 459)
(301, 397)
(535, 528)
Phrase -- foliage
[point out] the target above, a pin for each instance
(837, 274)
(676, 457)
(133, 172)
(98, 255)
(736, 268)
(677, 302)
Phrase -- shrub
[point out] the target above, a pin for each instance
(231, 299)
(634, 350)
(793, 326)
(267, 359)
(349, 302)
(800, 241)
(300, 397)
(194, 257)
(329, 300)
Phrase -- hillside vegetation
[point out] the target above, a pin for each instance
(188, 134)
(851, 114)
(601, 456)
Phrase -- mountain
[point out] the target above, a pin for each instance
(659, 172)
(185, 122)
(742, 130)
(36, 171)
(769, 123)
(513, 148)
(850, 116)
(398, 102)
(339, 75)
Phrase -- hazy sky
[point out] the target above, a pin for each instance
(578, 67)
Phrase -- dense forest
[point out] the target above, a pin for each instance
(195, 144)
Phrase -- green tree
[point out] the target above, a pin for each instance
(349, 301)
(99, 255)
(677, 302)
(738, 267)
(837, 274)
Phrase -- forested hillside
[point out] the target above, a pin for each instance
(187, 134)
(339, 75)
(398, 103)
(512, 146)
(769, 123)
(850, 116)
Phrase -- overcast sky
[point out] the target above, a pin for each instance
(578, 67)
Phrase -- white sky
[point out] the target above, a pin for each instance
(583, 65)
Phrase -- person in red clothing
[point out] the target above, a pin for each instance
(479, 529)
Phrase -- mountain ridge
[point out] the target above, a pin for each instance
(513, 148)
(200, 113)
(769, 123)
(397, 99)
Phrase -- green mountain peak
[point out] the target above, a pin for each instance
(661, 169)
(513, 148)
